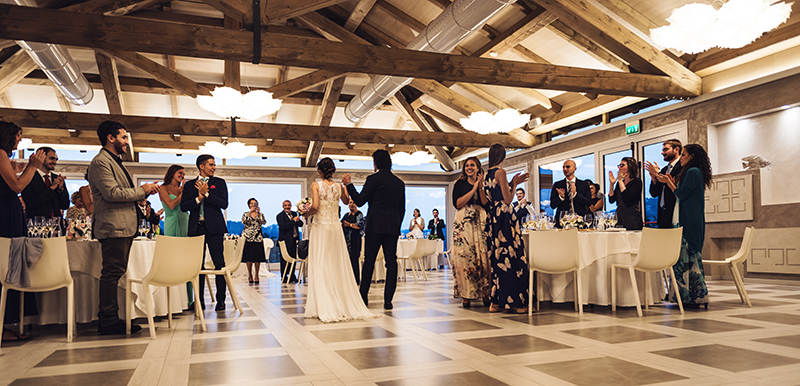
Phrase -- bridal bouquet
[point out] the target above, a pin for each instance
(304, 205)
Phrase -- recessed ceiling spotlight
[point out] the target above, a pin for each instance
(786, 107)
(493, 54)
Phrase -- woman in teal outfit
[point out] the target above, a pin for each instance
(176, 221)
(506, 251)
(694, 178)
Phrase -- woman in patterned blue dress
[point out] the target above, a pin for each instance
(506, 251)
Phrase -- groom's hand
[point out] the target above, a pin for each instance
(346, 179)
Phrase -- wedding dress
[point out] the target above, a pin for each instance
(333, 294)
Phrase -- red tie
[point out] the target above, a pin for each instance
(47, 182)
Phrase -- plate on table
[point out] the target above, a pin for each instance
(616, 230)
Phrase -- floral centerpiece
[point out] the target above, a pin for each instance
(433, 236)
(572, 220)
(304, 205)
(79, 228)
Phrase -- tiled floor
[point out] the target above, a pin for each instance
(429, 339)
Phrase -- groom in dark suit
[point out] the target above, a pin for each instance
(288, 222)
(204, 199)
(386, 195)
(671, 151)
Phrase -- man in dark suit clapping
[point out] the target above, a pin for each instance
(671, 151)
(204, 199)
(46, 194)
(570, 195)
(386, 195)
(288, 222)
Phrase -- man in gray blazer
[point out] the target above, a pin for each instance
(115, 219)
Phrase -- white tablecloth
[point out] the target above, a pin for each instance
(597, 252)
(85, 262)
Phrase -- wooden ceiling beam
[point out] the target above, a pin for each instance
(417, 122)
(763, 46)
(442, 117)
(332, 93)
(160, 73)
(160, 125)
(303, 83)
(607, 32)
(7, 43)
(121, 33)
(109, 77)
(232, 71)
(14, 69)
(586, 45)
(112, 7)
(286, 9)
(359, 13)
(514, 35)
(234, 9)
(401, 16)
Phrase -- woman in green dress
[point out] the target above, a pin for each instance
(176, 221)
(695, 178)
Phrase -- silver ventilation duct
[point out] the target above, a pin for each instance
(57, 64)
(454, 24)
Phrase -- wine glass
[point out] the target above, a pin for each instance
(143, 225)
(50, 226)
(31, 230)
(587, 221)
(38, 225)
(611, 218)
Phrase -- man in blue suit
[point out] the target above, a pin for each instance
(204, 199)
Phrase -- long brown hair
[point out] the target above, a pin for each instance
(464, 168)
(700, 161)
(171, 173)
(497, 154)
(633, 167)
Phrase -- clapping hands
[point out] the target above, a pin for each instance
(346, 180)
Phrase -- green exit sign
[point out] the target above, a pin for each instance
(632, 128)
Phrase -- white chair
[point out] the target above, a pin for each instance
(732, 261)
(554, 252)
(174, 263)
(447, 254)
(232, 252)
(290, 261)
(51, 272)
(659, 251)
(422, 248)
(228, 249)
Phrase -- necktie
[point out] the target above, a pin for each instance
(571, 198)
(48, 183)
(203, 203)
(661, 202)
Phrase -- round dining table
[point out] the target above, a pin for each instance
(597, 252)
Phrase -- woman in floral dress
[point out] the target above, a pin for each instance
(506, 251)
(470, 258)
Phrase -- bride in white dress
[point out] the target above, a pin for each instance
(333, 294)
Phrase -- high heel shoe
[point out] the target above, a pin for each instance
(465, 303)
(494, 308)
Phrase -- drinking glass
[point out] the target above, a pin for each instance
(31, 230)
(611, 218)
(143, 225)
(38, 225)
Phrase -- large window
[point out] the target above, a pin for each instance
(553, 172)
(651, 153)
(426, 199)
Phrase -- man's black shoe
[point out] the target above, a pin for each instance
(118, 328)
(387, 306)
(220, 307)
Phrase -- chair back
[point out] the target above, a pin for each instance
(423, 248)
(285, 252)
(234, 259)
(49, 273)
(660, 249)
(744, 250)
(554, 252)
(176, 260)
(268, 245)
